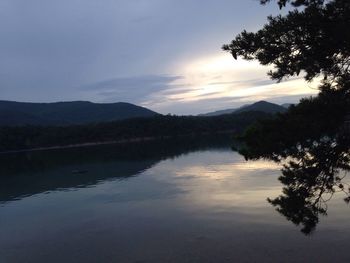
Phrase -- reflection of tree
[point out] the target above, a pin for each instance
(312, 139)
(311, 178)
(312, 40)
(24, 174)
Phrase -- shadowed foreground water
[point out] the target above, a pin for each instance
(174, 201)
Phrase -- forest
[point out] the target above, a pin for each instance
(31, 137)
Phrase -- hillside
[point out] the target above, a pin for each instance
(287, 105)
(159, 126)
(218, 113)
(67, 113)
(262, 106)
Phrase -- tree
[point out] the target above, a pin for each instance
(310, 138)
(315, 40)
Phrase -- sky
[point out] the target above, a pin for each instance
(161, 54)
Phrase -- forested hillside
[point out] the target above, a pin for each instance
(27, 137)
(67, 113)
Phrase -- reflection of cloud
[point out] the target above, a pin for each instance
(221, 171)
(222, 180)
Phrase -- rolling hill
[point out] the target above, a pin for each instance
(67, 113)
(287, 105)
(262, 106)
(218, 113)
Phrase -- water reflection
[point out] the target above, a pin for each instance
(25, 174)
(311, 178)
(173, 201)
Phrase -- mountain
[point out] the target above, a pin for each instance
(262, 106)
(67, 113)
(217, 113)
(287, 105)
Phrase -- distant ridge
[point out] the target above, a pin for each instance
(67, 113)
(287, 105)
(262, 106)
(219, 112)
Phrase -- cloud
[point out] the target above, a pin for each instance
(169, 51)
(214, 104)
(249, 82)
(230, 94)
(132, 89)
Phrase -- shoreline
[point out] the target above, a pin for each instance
(81, 145)
(123, 141)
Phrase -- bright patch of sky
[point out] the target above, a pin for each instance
(162, 54)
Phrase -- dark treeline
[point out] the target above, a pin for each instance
(28, 137)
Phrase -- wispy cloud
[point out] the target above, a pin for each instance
(132, 89)
(168, 52)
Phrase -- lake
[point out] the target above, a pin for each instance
(170, 201)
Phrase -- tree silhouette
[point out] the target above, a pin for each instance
(311, 138)
(311, 179)
(314, 40)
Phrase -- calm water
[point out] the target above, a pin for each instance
(154, 202)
